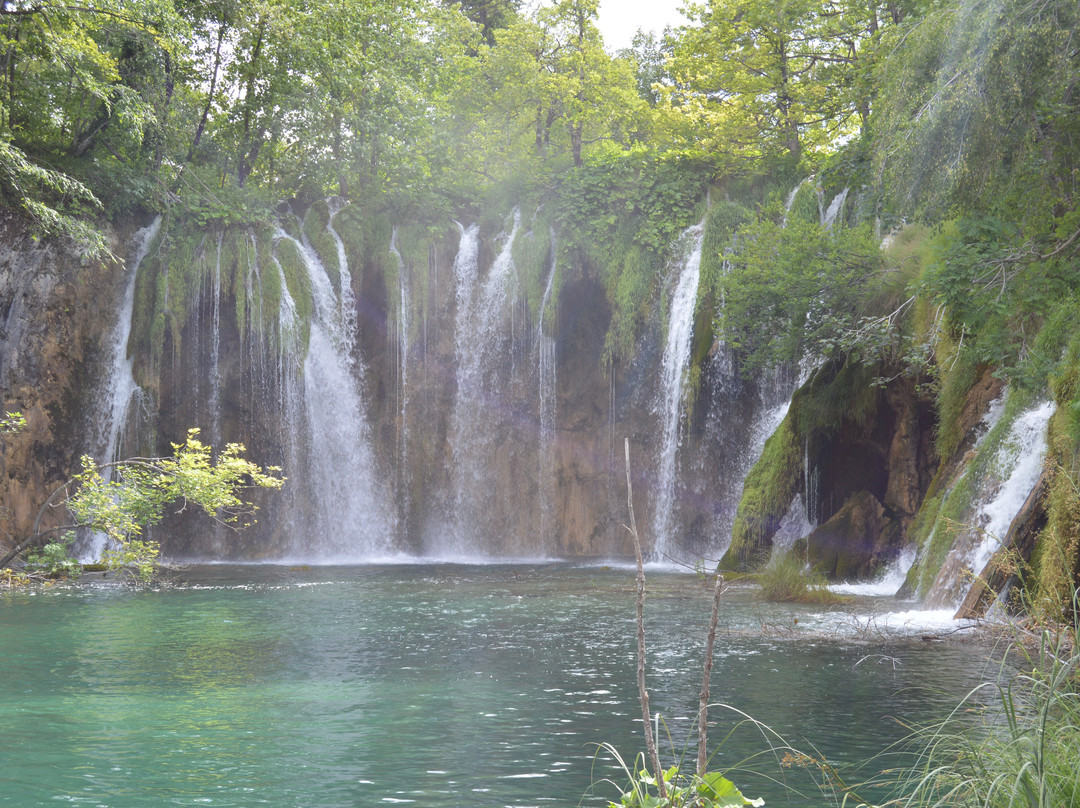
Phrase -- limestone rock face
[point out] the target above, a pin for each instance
(55, 311)
(911, 454)
(855, 541)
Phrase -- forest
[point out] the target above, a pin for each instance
(435, 264)
(952, 127)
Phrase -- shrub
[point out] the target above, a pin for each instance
(784, 579)
(54, 559)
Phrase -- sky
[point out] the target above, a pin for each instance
(620, 19)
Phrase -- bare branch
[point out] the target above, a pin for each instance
(643, 694)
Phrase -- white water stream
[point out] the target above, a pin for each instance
(484, 311)
(685, 274)
(344, 502)
(115, 396)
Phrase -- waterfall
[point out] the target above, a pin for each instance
(685, 273)
(546, 389)
(482, 355)
(215, 353)
(346, 507)
(346, 301)
(118, 389)
(1004, 473)
(402, 381)
(835, 210)
(1023, 454)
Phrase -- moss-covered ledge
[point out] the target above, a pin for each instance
(767, 494)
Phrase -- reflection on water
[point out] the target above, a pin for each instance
(433, 685)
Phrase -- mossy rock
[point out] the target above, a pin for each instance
(852, 544)
(767, 494)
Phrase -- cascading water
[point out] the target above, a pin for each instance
(346, 508)
(835, 210)
(402, 381)
(685, 274)
(118, 390)
(546, 387)
(999, 490)
(346, 302)
(483, 353)
(215, 353)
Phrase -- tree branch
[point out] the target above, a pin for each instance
(643, 694)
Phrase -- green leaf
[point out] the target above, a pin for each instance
(723, 793)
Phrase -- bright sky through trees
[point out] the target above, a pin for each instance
(620, 19)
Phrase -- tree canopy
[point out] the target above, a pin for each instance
(962, 113)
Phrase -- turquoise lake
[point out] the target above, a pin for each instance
(435, 685)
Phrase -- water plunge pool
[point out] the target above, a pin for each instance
(435, 685)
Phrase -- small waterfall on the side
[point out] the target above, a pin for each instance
(999, 490)
(404, 483)
(215, 353)
(481, 353)
(546, 381)
(347, 509)
(118, 389)
(686, 272)
(346, 300)
(835, 210)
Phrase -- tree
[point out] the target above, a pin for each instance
(548, 90)
(771, 79)
(139, 489)
(793, 289)
(79, 83)
(490, 15)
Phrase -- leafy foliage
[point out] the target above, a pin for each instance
(142, 487)
(784, 579)
(54, 558)
(788, 291)
(12, 422)
(710, 790)
(139, 489)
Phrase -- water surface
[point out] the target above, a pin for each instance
(436, 685)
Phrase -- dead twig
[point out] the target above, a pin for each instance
(643, 694)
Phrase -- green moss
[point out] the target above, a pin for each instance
(768, 491)
(843, 389)
(955, 383)
(630, 280)
(319, 237)
(299, 285)
(532, 263)
(269, 287)
(947, 524)
(805, 206)
(141, 341)
(721, 222)
(239, 254)
(1056, 562)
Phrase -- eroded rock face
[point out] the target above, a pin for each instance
(55, 310)
(559, 492)
(855, 541)
(585, 503)
(872, 478)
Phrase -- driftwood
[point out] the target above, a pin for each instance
(1019, 540)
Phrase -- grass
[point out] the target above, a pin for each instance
(784, 579)
(1009, 744)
